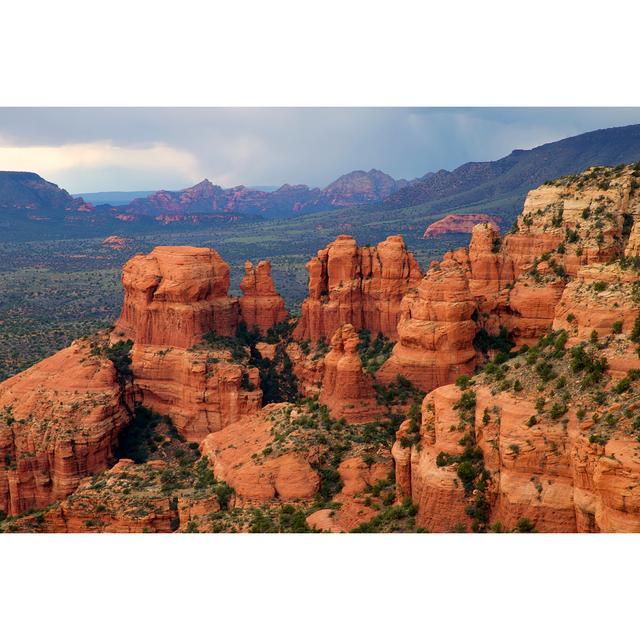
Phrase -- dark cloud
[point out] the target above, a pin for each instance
(144, 148)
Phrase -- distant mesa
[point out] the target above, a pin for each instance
(116, 242)
(27, 190)
(460, 223)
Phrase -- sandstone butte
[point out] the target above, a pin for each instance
(361, 286)
(542, 436)
(260, 305)
(175, 295)
(459, 223)
(436, 329)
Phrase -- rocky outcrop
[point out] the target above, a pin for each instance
(346, 389)
(460, 223)
(434, 488)
(308, 369)
(117, 243)
(548, 459)
(436, 329)
(239, 456)
(59, 422)
(601, 298)
(362, 286)
(200, 390)
(357, 479)
(260, 304)
(175, 295)
(128, 498)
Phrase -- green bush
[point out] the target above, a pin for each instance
(524, 525)
(120, 354)
(599, 286)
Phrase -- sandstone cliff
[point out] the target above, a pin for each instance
(436, 329)
(200, 390)
(175, 295)
(549, 438)
(362, 286)
(59, 422)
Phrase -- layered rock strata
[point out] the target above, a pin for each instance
(59, 422)
(436, 329)
(260, 304)
(175, 295)
(346, 389)
(362, 286)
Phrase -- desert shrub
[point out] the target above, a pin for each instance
(484, 341)
(524, 525)
(120, 354)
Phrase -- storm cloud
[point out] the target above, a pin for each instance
(102, 149)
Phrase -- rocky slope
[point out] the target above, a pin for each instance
(501, 185)
(23, 190)
(544, 438)
(59, 422)
(361, 286)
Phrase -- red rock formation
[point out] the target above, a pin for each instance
(174, 295)
(586, 306)
(307, 368)
(490, 272)
(549, 471)
(357, 477)
(237, 455)
(346, 389)
(436, 490)
(59, 422)
(128, 498)
(116, 242)
(362, 286)
(200, 390)
(436, 330)
(460, 223)
(260, 304)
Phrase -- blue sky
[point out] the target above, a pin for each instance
(105, 149)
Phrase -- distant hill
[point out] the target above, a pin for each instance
(112, 197)
(369, 203)
(28, 191)
(352, 189)
(502, 184)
